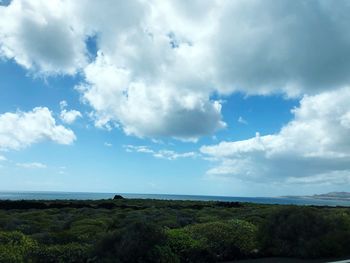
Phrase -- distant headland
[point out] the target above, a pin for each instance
(341, 196)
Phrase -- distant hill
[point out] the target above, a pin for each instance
(333, 195)
(344, 196)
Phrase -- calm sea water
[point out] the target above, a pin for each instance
(96, 196)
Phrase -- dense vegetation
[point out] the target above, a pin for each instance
(133, 230)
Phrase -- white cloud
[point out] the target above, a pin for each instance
(162, 154)
(33, 165)
(330, 178)
(42, 36)
(154, 110)
(160, 62)
(313, 146)
(158, 78)
(69, 116)
(172, 155)
(63, 104)
(256, 55)
(139, 149)
(3, 158)
(242, 120)
(107, 144)
(21, 129)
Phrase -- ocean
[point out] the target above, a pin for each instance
(96, 196)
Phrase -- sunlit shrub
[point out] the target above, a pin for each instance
(15, 247)
(214, 241)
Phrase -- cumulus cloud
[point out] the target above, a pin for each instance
(21, 129)
(154, 110)
(69, 116)
(33, 165)
(159, 63)
(290, 46)
(39, 36)
(314, 146)
(162, 154)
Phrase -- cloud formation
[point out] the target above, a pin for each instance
(41, 36)
(161, 69)
(33, 165)
(68, 116)
(295, 47)
(313, 147)
(159, 63)
(162, 154)
(21, 129)
(241, 120)
(154, 110)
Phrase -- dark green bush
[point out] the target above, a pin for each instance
(67, 253)
(138, 242)
(305, 232)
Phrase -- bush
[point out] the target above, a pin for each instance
(72, 252)
(138, 242)
(186, 247)
(214, 241)
(15, 247)
(88, 229)
(305, 232)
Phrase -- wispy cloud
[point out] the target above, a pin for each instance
(32, 165)
(162, 154)
(242, 120)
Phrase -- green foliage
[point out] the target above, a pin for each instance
(176, 231)
(15, 247)
(188, 248)
(215, 241)
(88, 228)
(72, 252)
(305, 232)
(162, 254)
(138, 242)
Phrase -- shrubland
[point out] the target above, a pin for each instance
(135, 230)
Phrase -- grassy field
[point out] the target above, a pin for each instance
(142, 230)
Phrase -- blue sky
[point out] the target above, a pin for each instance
(240, 106)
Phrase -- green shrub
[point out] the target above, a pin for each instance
(15, 247)
(88, 229)
(186, 247)
(138, 242)
(305, 232)
(72, 252)
(215, 241)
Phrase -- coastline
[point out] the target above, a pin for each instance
(284, 200)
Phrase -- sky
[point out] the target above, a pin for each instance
(232, 98)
